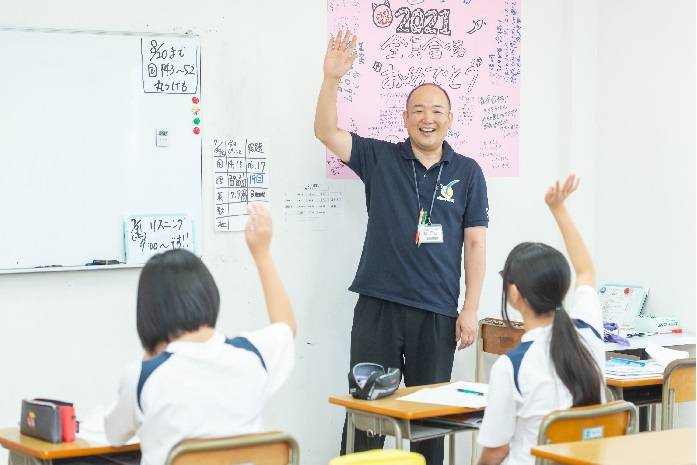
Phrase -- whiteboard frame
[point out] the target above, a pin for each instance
(189, 34)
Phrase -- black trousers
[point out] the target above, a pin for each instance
(419, 342)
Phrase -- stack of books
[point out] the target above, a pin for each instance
(622, 368)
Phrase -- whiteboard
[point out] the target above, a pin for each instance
(79, 148)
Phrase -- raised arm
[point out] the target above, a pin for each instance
(258, 236)
(337, 61)
(578, 253)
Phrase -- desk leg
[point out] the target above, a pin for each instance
(614, 393)
(653, 425)
(398, 435)
(646, 417)
(15, 458)
(350, 432)
(451, 448)
(475, 447)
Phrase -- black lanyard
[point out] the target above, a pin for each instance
(435, 189)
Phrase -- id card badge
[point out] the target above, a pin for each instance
(431, 233)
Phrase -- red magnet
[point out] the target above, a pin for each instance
(197, 130)
(194, 99)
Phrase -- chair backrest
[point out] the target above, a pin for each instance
(678, 386)
(595, 421)
(498, 338)
(273, 448)
(380, 457)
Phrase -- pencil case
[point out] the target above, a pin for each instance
(48, 419)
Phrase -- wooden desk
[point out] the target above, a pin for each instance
(46, 452)
(390, 416)
(672, 447)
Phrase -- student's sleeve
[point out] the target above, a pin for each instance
(364, 155)
(586, 307)
(123, 419)
(499, 420)
(276, 345)
(477, 207)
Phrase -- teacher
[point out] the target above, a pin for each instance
(424, 203)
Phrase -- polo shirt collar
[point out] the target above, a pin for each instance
(536, 333)
(193, 348)
(408, 153)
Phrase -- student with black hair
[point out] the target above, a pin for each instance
(560, 361)
(192, 381)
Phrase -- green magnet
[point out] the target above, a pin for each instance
(197, 120)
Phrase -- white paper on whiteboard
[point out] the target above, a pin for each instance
(147, 235)
(240, 177)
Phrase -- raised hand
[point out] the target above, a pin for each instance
(340, 55)
(557, 194)
(258, 230)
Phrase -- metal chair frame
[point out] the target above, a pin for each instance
(670, 392)
(235, 443)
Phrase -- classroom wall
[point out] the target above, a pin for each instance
(67, 335)
(645, 166)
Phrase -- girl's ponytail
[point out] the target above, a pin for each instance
(573, 361)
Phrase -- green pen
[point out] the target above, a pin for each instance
(469, 391)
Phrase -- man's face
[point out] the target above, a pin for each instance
(427, 118)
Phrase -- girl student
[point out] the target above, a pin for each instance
(194, 382)
(560, 361)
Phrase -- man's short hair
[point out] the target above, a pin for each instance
(429, 84)
(176, 295)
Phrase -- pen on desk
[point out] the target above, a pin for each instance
(103, 262)
(48, 266)
(469, 391)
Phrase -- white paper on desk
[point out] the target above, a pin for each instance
(449, 395)
(92, 427)
(664, 355)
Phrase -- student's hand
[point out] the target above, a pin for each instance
(466, 328)
(258, 229)
(340, 55)
(556, 195)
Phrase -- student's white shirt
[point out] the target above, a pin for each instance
(513, 417)
(204, 389)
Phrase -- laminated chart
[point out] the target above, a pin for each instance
(470, 48)
(240, 177)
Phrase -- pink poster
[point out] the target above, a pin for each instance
(471, 48)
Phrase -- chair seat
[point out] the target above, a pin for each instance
(380, 457)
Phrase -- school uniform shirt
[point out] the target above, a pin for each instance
(524, 386)
(200, 389)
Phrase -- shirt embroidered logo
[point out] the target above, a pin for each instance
(447, 192)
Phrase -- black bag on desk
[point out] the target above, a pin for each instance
(50, 420)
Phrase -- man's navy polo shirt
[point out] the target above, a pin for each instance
(392, 267)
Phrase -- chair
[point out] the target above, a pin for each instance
(273, 448)
(495, 337)
(380, 457)
(591, 422)
(678, 386)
